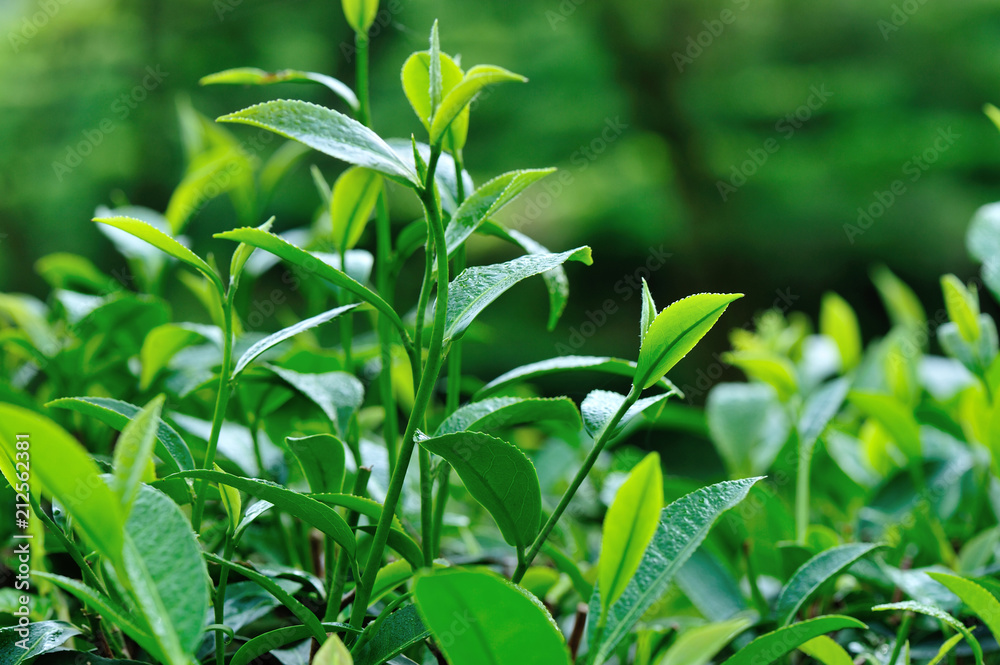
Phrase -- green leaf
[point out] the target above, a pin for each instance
(109, 609)
(434, 73)
(67, 474)
(894, 416)
(133, 456)
(162, 344)
(171, 447)
(675, 331)
(486, 202)
(360, 14)
(772, 646)
(333, 652)
(648, 311)
(310, 265)
(602, 364)
(243, 251)
(226, 168)
(63, 270)
(164, 243)
(169, 559)
(826, 651)
(945, 649)
(814, 573)
(600, 406)
(684, 524)
(23, 644)
(555, 280)
(767, 367)
(838, 321)
(275, 639)
(698, 645)
(321, 457)
(940, 615)
(748, 424)
(254, 76)
(900, 301)
(458, 98)
(286, 333)
(393, 635)
(308, 510)
(473, 290)
(978, 599)
(338, 394)
(416, 77)
(629, 526)
(500, 477)
(329, 132)
(351, 204)
(498, 413)
(962, 306)
(819, 409)
(300, 611)
(479, 618)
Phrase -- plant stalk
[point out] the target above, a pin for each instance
(422, 399)
(337, 575)
(567, 496)
(221, 403)
(220, 600)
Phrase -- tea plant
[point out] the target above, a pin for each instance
(202, 492)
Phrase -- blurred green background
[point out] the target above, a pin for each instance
(805, 111)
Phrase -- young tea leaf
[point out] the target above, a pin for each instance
(629, 525)
(254, 76)
(962, 306)
(416, 78)
(458, 98)
(164, 243)
(499, 413)
(351, 204)
(601, 364)
(133, 457)
(838, 321)
(698, 645)
(684, 524)
(826, 651)
(940, 615)
(648, 311)
(978, 599)
(333, 652)
(675, 331)
(360, 15)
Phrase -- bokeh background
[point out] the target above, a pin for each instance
(647, 105)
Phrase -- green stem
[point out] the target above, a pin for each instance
(390, 427)
(221, 403)
(425, 389)
(220, 601)
(346, 321)
(901, 635)
(440, 503)
(567, 496)
(364, 113)
(422, 300)
(337, 580)
(802, 493)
